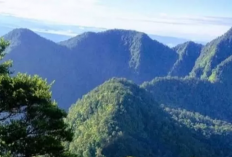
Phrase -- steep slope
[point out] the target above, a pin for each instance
(88, 60)
(199, 105)
(33, 54)
(194, 95)
(120, 119)
(128, 54)
(212, 129)
(188, 53)
(212, 55)
(223, 73)
(196, 121)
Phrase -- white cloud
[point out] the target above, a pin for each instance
(65, 11)
(58, 32)
(94, 14)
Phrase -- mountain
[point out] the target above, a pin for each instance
(194, 95)
(166, 117)
(119, 118)
(211, 129)
(212, 55)
(122, 53)
(33, 54)
(59, 32)
(188, 53)
(84, 62)
(199, 105)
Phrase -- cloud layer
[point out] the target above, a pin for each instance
(95, 13)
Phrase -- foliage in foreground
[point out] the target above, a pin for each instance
(30, 123)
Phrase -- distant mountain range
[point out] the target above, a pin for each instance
(58, 32)
(83, 62)
(61, 35)
(179, 103)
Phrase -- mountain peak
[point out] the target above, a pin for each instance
(20, 32)
(214, 53)
(27, 36)
(21, 35)
(111, 34)
(130, 33)
(122, 31)
(190, 43)
(188, 54)
(181, 48)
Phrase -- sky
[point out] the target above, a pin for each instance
(200, 20)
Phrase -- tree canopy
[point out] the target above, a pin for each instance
(119, 119)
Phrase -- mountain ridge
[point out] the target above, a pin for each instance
(213, 54)
(188, 53)
(91, 59)
(118, 111)
(132, 44)
(165, 116)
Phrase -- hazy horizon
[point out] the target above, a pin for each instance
(196, 20)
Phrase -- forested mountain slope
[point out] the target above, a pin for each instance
(212, 55)
(124, 53)
(120, 119)
(188, 53)
(195, 95)
(33, 54)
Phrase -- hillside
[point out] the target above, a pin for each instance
(122, 53)
(80, 64)
(212, 55)
(194, 95)
(33, 54)
(210, 128)
(120, 119)
(200, 105)
(188, 53)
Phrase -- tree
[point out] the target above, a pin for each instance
(31, 124)
(5, 66)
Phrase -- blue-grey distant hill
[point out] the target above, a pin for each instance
(81, 63)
